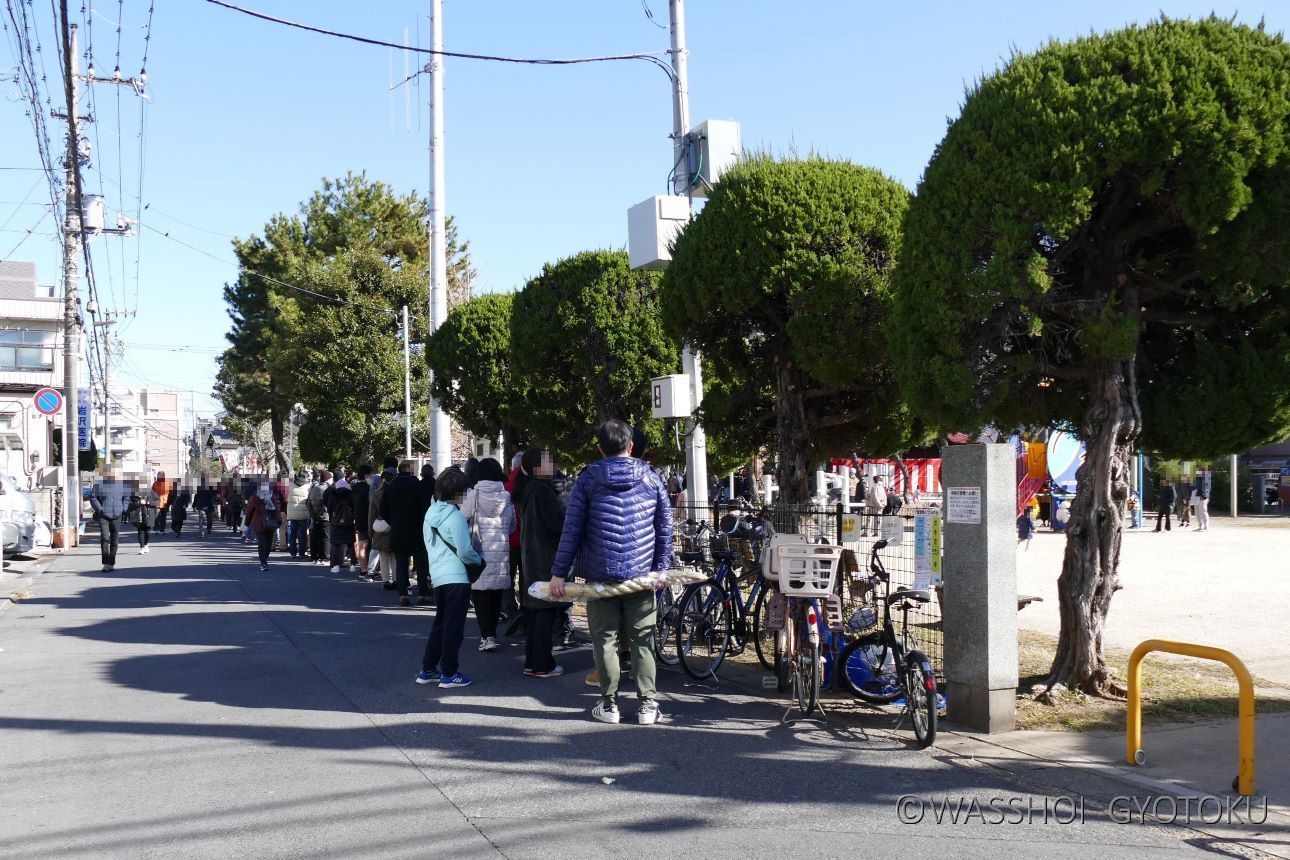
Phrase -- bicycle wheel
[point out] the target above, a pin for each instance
(806, 672)
(867, 668)
(920, 697)
(666, 609)
(784, 647)
(763, 639)
(703, 629)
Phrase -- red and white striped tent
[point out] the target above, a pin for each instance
(924, 474)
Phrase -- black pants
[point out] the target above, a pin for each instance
(488, 609)
(1166, 516)
(318, 540)
(540, 623)
(444, 645)
(109, 533)
(177, 523)
(145, 532)
(402, 576)
(263, 543)
(510, 603)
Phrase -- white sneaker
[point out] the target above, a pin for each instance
(648, 714)
(488, 643)
(604, 714)
(147, 549)
(353, 568)
(143, 550)
(335, 568)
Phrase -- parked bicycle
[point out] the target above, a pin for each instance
(884, 666)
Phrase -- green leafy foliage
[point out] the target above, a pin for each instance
(1119, 197)
(779, 283)
(586, 339)
(470, 357)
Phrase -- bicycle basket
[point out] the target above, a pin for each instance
(806, 570)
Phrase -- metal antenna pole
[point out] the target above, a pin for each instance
(440, 427)
(696, 449)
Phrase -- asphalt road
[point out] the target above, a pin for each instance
(189, 705)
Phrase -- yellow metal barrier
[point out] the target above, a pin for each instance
(1244, 783)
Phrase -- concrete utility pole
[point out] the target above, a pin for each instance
(696, 449)
(71, 313)
(440, 427)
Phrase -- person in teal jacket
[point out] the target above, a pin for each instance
(447, 539)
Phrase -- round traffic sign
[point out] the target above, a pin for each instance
(48, 401)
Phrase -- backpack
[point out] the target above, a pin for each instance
(343, 516)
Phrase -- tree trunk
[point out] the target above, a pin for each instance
(906, 492)
(1090, 569)
(276, 427)
(755, 481)
(792, 435)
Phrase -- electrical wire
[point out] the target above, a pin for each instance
(652, 57)
(649, 13)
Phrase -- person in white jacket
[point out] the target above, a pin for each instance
(877, 503)
(491, 515)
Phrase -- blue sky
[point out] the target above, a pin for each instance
(246, 118)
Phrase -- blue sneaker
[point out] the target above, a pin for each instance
(447, 682)
(424, 677)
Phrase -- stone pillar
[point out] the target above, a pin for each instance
(980, 576)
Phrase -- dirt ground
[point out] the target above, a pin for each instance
(1228, 587)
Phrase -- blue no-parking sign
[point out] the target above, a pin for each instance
(48, 401)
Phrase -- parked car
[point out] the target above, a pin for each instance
(17, 517)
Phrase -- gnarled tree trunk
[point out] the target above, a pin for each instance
(1090, 569)
(793, 438)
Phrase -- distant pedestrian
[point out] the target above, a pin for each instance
(543, 521)
(298, 516)
(401, 508)
(179, 501)
(491, 515)
(877, 502)
(362, 489)
(161, 487)
(110, 498)
(264, 512)
(143, 516)
(204, 505)
(1165, 504)
(618, 527)
(1201, 499)
(1025, 528)
(318, 537)
(340, 513)
(446, 536)
(381, 562)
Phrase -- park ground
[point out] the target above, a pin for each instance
(187, 704)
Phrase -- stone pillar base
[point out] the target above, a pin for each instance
(982, 710)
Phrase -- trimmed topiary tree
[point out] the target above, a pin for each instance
(586, 339)
(1100, 240)
(778, 282)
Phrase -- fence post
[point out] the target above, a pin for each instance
(980, 575)
(838, 513)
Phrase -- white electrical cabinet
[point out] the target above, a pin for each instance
(652, 226)
(670, 396)
(720, 146)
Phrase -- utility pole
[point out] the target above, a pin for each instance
(696, 449)
(71, 311)
(440, 427)
(407, 383)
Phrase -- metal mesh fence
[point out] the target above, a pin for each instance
(827, 524)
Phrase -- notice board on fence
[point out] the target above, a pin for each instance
(927, 549)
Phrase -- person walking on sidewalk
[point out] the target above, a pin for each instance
(446, 536)
(491, 515)
(340, 512)
(143, 516)
(401, 508)
(204, 505)
(161, 487)
(543, 517)
(362, 490)
(298, 516)
(618, 527)
(179, 500)
(381, 563)
(1165, 505)
(264, 516)
(1201, 498)
(318, 512)
(109, 499)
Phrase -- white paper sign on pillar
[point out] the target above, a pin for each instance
(963, 505)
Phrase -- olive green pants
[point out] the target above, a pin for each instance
(636, 613)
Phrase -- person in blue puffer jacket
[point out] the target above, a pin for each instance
(447, 539)
(618, 527)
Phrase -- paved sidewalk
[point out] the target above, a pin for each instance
(189, 705)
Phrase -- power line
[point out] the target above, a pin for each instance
(652, 57)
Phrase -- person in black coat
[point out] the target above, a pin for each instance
(362, 490)
(1165, 504)
(401, 508)
(543, 518)
(427, 488)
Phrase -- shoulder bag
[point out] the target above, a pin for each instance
(473, 570)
